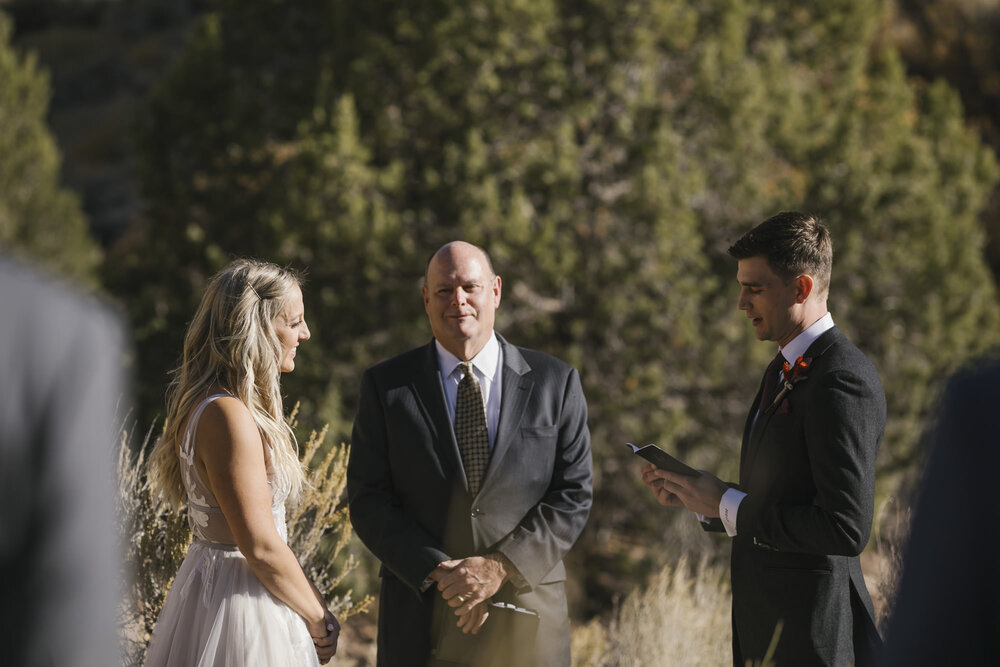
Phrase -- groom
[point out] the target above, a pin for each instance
(470, 479)
(802, 510)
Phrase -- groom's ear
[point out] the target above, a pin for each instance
(803, 288)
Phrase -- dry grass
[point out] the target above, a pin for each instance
(154, 541)
(681, 617)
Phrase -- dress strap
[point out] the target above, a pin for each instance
(187, 443)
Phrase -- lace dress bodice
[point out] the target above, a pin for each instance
(204, 514)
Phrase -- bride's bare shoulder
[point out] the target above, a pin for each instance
(227, 424)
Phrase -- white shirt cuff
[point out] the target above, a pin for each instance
(728, 507)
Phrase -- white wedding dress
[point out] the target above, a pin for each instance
(217, 612)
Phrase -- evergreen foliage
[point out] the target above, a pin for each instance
(38, 219)
(606, 155)
(957, 40)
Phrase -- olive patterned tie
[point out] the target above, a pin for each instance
(470, 428)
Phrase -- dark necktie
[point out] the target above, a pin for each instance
(470, 428)
(770, 383)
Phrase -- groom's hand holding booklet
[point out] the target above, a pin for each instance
(662, 460)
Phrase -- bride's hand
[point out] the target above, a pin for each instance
(326, 645)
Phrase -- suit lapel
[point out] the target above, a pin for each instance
(752, 440)
(517, 387)
(753, 433)
(748, 429)
(429, 393)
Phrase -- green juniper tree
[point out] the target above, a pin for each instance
(39, 220)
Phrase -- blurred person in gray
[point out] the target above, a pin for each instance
(946, 606)
(61, 379)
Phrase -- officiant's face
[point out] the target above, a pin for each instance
(772, 305)
(461, 296)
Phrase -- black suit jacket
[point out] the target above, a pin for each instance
(410, 504)
(946, 608)
(808, 470)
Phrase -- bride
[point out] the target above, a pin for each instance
(240, 597)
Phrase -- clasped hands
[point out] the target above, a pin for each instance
(700, 494)
(467, 584)
(325, 638)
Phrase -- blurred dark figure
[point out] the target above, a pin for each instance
(60, 380)
(946, 610)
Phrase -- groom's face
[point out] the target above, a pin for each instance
(772, 305)
(461, 296)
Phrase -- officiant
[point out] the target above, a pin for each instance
(470, 479)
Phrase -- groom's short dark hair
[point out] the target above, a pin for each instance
(793, 243)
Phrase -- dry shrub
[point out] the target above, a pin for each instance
(886, 559)
(153, 543)
(154, 540)
(681, 617)
(319, 528)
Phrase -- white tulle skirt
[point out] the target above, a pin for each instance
(218, 613)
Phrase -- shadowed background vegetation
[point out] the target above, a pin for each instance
(605, 153)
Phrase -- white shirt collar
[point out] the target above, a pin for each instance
(486, 361)
(797, 346)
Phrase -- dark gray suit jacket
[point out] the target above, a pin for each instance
(809, 473)
(410, 504)
(60, 365)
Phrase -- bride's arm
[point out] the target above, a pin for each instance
(229, 445)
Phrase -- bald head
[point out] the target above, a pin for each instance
(453, 250)
(461, 294)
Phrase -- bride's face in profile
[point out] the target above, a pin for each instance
(291, 327)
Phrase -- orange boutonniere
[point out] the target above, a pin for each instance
(790, 376)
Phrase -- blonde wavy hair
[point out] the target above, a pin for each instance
(231, 344)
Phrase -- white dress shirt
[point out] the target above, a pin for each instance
(486, 365)
(796, 348)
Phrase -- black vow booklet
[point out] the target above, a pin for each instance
(662, 460)
(507, 638)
